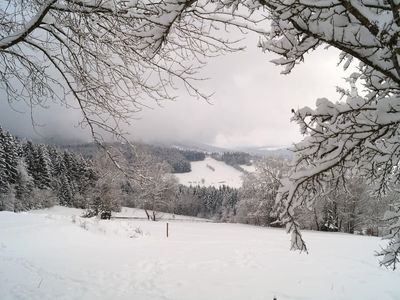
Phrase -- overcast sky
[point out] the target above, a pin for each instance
(251, 105)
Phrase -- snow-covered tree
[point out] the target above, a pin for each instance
(346, 208)
(29, 154)
(42, 172)
(259, 190)
(187, 202)
(27, 170)
(3, 172)
(105, 197)
(24, 186)
(111, 56)
(359, 133)
(159, 191)
(391, 253)
(65, 194)
(156, 187)
(106, 194)
(228, 200)
(10, 155)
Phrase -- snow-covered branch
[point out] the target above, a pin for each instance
(112, 58)
(359, 134)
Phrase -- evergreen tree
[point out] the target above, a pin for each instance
(23, 188)
(57, 162)
(31, 175)
(104, 198)
(29, 151)
(10, 155)
(42, 172)
(65, 194)
(71, 170)
(83, 174)
(3, 174)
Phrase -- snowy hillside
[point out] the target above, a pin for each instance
(211, 172)
(249, 169)
(53, 254)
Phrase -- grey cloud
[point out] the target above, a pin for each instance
(251, 104)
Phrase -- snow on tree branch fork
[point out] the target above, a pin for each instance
(20, 35)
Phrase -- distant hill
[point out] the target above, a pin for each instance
(281, 151)
(268, 151)
(195, 146)
(181, 155)
(178, 159)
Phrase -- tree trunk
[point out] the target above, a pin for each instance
(316, 219)
(147, 214)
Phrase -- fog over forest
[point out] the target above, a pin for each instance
(251, 105)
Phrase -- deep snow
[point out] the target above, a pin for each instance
(52, 254)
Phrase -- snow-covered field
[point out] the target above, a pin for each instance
(249, 169)
(55, 254)
(211, 172)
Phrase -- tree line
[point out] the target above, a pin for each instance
(34, 176)
(233, 158)
(178, 159)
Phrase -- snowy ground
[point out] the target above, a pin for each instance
(53, 254)
(211, 172)
(249, 169)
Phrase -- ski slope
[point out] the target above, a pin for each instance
(211, 172)
(55, 254)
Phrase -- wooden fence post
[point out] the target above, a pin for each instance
(167, 229)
